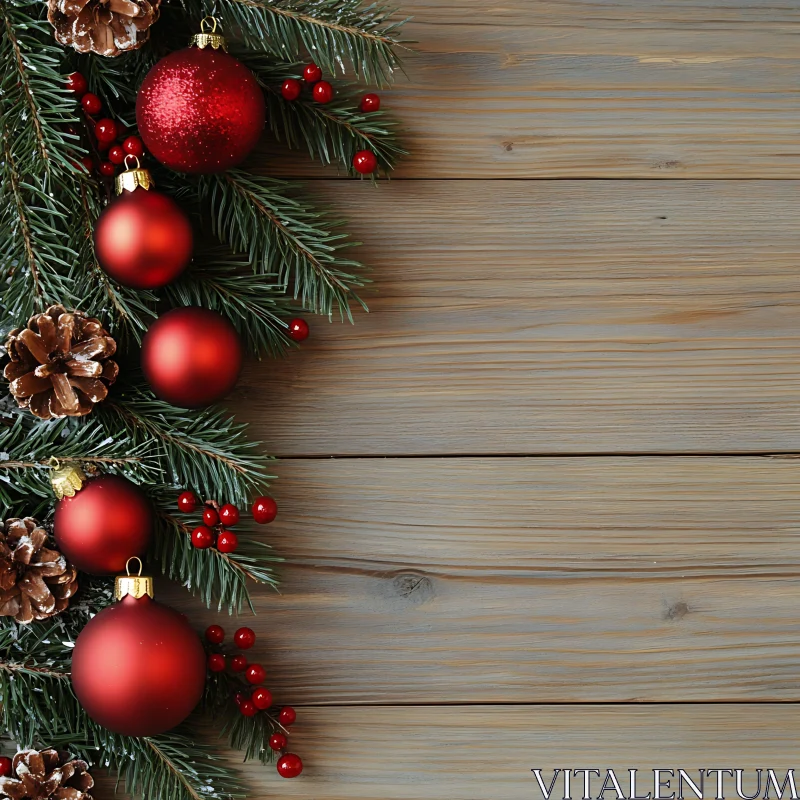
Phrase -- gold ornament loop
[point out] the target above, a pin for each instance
(128, 566)
(209, 21)
(66, 480)
(209, 38)
(135, 585)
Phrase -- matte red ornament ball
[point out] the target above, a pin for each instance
(229, 515)
(107, 522)
(239, 663)
(106, 130)
(262, 698)
(227, 542)
(187, 502)
(291, 89)
(298, 329)
(138, 668)
(133, 146)
(278, 741)
(77, 83)
(202, 537)
(200, 111)
(312, 73)
(255, 674)
(323, 92)
(191, 357)
(6, 765)
(107, 169)
(287, 716)
(215, 634)
(244, 638)
(365, 162)
(247, 707)
(116, 155)
(370, 102)
(210, 516)
(264, 509)
(216, 662)
(143, 239)
(289, 765)
(91, 103)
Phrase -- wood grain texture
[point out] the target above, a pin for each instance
(553, 317)
(596, 88)
(462, 753)
(532, 580)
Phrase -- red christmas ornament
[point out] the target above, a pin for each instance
(370, 102)
(191, 357)
(187, 502)
(287, 716)
(278, 741)
(5, 762)
(291, 89)
(227, 542)
(323, 92)
(312, 73)
(365, 162)
(91, 103)
(289, 765)
(138, 668)
(244, 638)
(106, 130)
(142, 239)
(239, 663)
(210, 517)
(106, 169)
(262, 698)
(116, 155)
(265, 509)
(229, 515)
(133, 146)
(103, 525)
(215, 634)
(216, 662)
(255, 674)
(247, 707)
(298, 329)
(200, 110)
(202, 537)
(77, 83)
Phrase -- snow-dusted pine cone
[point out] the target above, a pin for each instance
(39, 775)
(60, 364)
(36, 580)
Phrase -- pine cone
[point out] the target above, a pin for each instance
(40, 775)
(60, 364)
(36, 581)
(105, 27)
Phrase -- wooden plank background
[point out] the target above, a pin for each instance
(544, 470)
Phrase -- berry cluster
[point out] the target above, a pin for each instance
(364, 162)
(252, 701)
(106, 135)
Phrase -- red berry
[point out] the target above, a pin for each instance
(107, 169)
(6, 765)
(88, 164)
(370, 102)
(323, 92)
(77, 83)
(298, 329)
(365, 162)
(255, 674)
(91, 103)
(287, 716)
(239, 663)
(244, 638)
(215, 634)
(262, 698)
(202, 537)
(312, 73)
(105, 130)
(216, 662)
(265, 509)
(227, 542)
(291, 89)
(247, 708)
(239, 698)
(278, 741)
(210, 516)
(186, 500)
(289, 765)
(133, 146)
(229, 515)
(116, 155)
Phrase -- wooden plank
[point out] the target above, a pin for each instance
(518, 317)
(616, 88)
(475, 580)
(464, 753)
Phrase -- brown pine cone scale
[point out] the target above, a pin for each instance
(38, 775)
(60, 364)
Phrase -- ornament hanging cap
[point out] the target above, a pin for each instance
(134, 177)
(135, 585)
(208, 36)
(67, 479)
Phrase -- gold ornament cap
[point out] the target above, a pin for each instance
(134, 177)
(208, 36)
(135, 585)
(67, 479)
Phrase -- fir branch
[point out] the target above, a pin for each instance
(283, 236)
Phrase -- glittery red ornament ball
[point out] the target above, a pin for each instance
(200, 111)
(289, 766)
